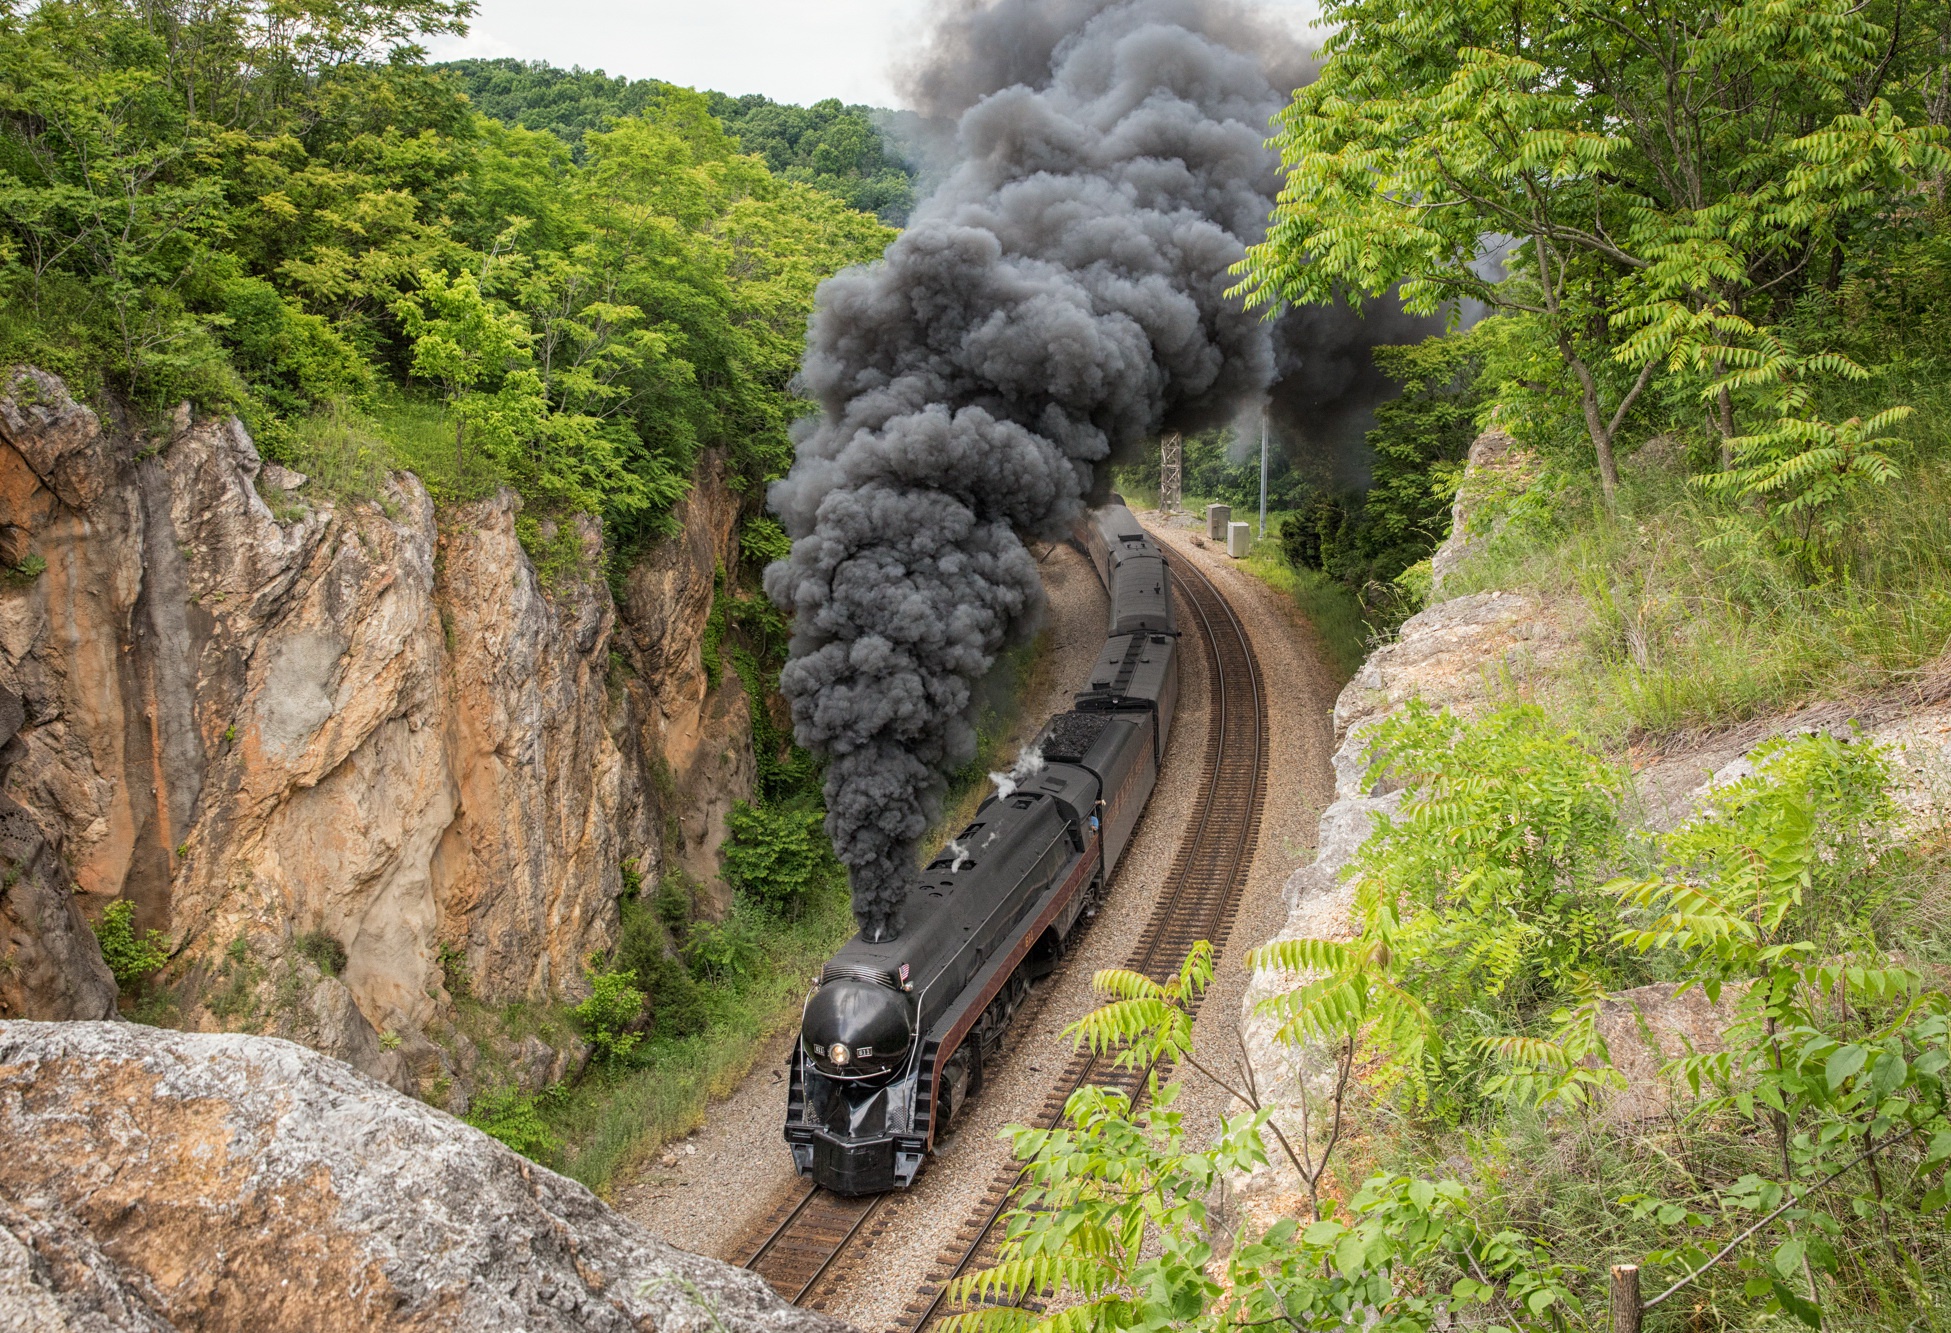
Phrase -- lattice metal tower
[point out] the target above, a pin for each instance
(1170, 456)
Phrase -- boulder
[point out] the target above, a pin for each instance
(170, 1180)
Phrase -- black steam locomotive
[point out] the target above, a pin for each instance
(892, 1043)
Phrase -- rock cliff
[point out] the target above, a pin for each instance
(160, 1180)
(341, 754)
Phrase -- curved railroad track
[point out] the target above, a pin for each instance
(808, 1233)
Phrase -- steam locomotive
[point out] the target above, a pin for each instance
(894, 1039)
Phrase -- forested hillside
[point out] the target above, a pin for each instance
(299, 220)
(840, 149)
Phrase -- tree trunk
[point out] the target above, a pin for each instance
(1724, 419)
(1595, 426)
(1625, 1298)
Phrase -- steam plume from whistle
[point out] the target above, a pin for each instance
(1058, 299)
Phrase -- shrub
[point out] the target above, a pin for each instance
(721, 951)
(325, 951)
(676, 1006)
(610, 1016)
(513, 1117)
(454, 974)
(129, 957)
(776, 855)
(1479, 898)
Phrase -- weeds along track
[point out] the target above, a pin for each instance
(803, 1242)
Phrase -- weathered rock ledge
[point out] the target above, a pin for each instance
(162, 1180)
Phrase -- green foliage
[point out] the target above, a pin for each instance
(1367, 540)
(1636, 252)
(1420, 440)
(514, 1118)
(31, 566)
(455, 976)
(232, 997)
(278, 214)
(1803, 468)
(610, 1015)
(1478, 900)
(840, 150)
(777, 855)
(671, 996)
(1693, 613)
(625, 1109)
(1812, 1149)
(129, 956)
(324, 950)
(295, 360)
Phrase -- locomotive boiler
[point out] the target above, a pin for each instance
(894, 1039)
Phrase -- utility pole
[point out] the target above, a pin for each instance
(1170, 456)
(1263, 472)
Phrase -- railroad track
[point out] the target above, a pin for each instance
(807, 1235)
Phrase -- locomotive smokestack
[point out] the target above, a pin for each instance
(1057, 300)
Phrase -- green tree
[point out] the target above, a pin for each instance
(1659, 181)
(131, 957)
(611, 1016)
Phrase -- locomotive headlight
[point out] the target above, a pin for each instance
(838, 1053)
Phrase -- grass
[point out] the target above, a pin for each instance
(348, 450)
(1328, 604)
(1694, 617)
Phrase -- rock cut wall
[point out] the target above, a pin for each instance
(368, 724)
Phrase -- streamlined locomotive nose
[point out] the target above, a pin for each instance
(856, 1029)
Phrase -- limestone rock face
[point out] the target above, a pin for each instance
(1496, 469)
(161, 1180)
(357, 729)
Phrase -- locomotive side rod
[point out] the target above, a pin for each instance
(1204, 888)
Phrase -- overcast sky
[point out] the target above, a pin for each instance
(790, 50)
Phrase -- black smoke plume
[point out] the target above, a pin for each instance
(1057, 300)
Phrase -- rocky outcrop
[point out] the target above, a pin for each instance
(1497, 469)
(160, 1180)
(354, 729)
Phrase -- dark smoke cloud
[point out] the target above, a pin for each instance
(1058, 300)
(1323, 402)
